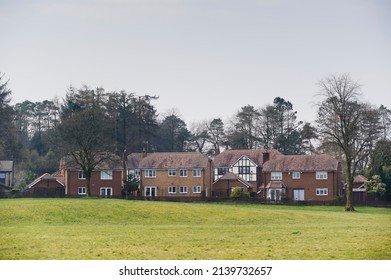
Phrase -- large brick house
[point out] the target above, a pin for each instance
(302, 177)
(175, 174)
(106, 178)
(240, 168)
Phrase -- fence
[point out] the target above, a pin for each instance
(251, 200)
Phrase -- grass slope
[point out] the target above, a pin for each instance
(119, 229)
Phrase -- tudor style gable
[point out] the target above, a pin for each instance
(245, 168)
(245, 164)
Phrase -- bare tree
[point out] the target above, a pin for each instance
(345, 122)
(199, 135)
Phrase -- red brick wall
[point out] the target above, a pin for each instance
(73, 183)
(309, 184)
(222, 188)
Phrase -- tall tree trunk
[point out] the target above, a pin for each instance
(349, 187)
(88, 183)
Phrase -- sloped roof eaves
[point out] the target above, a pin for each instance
(301, 163)
(233, 177)
(229, 157)
(174, 160)
(359, 179)
(275, 185)
(45, 177)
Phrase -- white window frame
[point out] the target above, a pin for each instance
(182, 172)
(150, 173)
(171, 172)
(183, 189)
(197, 172)
(171, 189)
(135, 172)
(81, 175)
(321, 175)
(196, 189)
(322, 191)
(106, 175)
(296, 175)
(82, 191)
(276, 176)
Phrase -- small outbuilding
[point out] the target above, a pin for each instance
(47, 185)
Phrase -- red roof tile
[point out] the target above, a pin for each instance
(229, 176)
(229, 157)
(360, 179)
(301, 163)
(133, 160)
(174, 160)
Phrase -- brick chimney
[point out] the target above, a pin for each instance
(266, 157)
(145, 153)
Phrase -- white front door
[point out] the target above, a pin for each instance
(275, 194)
(298, 194)
(106, 192)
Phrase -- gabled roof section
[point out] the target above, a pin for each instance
(359, 179)
(46, 177)
(229, 176)
(286, 163)
(174, 160)
(6, 165)
(133, 160)
(275, 185)
(228, 158)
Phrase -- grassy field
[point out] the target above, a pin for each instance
(75, 229)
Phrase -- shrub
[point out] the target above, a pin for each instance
(239, 194)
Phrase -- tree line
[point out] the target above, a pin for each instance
(92, 120)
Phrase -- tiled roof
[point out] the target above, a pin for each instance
(45, 177)
(229, 176)
(229, 157)
(360, 179)
(275, 185)
(301, 163)
(174, 160)
(133, 160)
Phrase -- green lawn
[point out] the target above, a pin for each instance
(120, 229)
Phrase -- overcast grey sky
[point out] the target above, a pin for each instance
(206, 58)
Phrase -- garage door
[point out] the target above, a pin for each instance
(298, 194)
